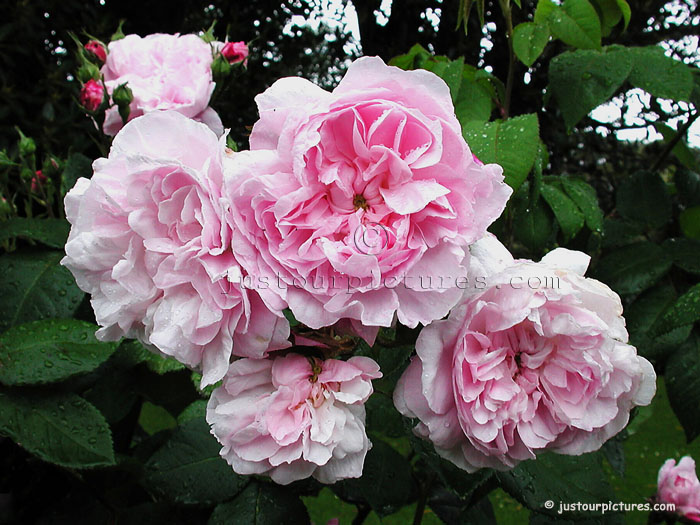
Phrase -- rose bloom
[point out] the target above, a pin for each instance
(91, 95)
(534, 358)
(678, 484)
(149, 243)
(359, 203)
(293, 417)
(163, 72)
(235, 52)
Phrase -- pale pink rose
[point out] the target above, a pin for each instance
(678, 484)
(162, 71)
(359, 203)
(91, 95)
(293, 417)
(149, 242)
(523, 365)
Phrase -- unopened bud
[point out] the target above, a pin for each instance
(38, 180)
(27, 146)
(220, 68)
(122, 97)
(92, 95)
(235, 52)
(87, 72)
(97, 49)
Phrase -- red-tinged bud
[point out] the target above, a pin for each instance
(235, 52)
(92, 95)
(97, 49)
(5, 207)
(38, 180)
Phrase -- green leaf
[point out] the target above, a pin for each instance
(641, 316)
(391, 361)
(586, 199)
(568, 216)
(188, 468)
(685, 253)
(450, 71)
(197, 409)
(643, 198)
(557, 478)
(683, 385)
(532, 223)
(261, 504)
(35, 286)
(451, 509)
(154, 418)
(610, 13)
(582, 80)
(626, 12)
(684, 312)
(620, 233)
(77, 165)
(50, 232)
(417, 54)
(689, 221)
(529, 40)
(49, 351)
(382, 417)
(475, 100)
(634, 268)
(63, 429)
(511, 143)
(459, 482)
(386, 482)
(688, 186)
(660, 75)
(576, 23)
(157, 363)
(543, 10)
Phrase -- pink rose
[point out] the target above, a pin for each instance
(97, 49)
(678, 484)
(359, 203)
(534, 358)
(163, 72)
(294, 416)
(149, 242)
(91, 95)
(235, 52)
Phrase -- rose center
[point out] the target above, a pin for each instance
(359, 201)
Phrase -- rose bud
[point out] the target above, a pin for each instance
(38, 180)
(5, 207)
(97, 49)
(235, 52)
(92, 95)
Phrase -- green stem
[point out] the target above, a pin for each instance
(675, 140)
(508, 15)
(423, 500)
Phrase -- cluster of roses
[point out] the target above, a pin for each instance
(132, 76)
(172, 224)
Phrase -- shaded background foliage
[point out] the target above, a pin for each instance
(161, 464)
